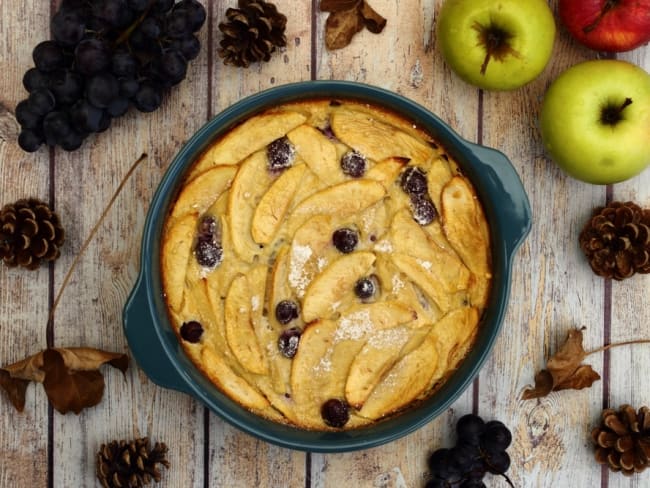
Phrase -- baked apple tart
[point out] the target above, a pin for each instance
(326, 264)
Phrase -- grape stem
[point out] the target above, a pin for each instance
(93, 231)
(127, 32)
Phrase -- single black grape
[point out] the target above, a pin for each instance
(472, 483)
(67, 27)
(194, 11)
(129, 87)
(41, 101)
(118, 106)
(366, 288)
(33, 79)
(162, 6)
(442, 466)
(189, 46)
(469, 429)
(436, 483)
(280, 154)
(173, 66)
(467, 457)
(150, 28)
(124, 64)
(354, 164)
(86, 117)
(191, 331)
(148, 98)
(335, 412)
(48, 56)
(56, 126)
(92, 56)
(178, 24)
(286, 311)
(115, 13)
(208, 253)
(497, 462)
(101, 89)
(66, 86)
(495, 437)
(288, 342)
(29, 140)
(345, 239)
(26, 116)
(137, 5)
(206, 228)
(414, 180)
(71, 141)
(422, 208)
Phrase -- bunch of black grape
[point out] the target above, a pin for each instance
(480, 449)
(105, 56)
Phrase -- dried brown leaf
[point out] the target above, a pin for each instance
(338, 5)
(374, 22)
(70, 376)
(341, 27)
(564, 370)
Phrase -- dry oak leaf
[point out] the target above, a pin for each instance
(347, 17)
(70, 376)
(564, 370)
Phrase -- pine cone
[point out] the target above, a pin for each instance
(252, 33)
(30, 233)
(616, 240)
(623, 439)
(130, 465)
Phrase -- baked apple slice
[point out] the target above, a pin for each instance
(387, 171)
(318, 152)
(251, 136)
(230, 382)
(466, 230)
(176, 251)
(335, 281)
(376, 139)
(273, 206)
(240, 330)
(408, 379)
(201, 192)
(378, 355)
(342, 200)
(250, 183)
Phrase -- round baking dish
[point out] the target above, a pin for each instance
(154, 344)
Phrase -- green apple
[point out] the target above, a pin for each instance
(595, 121)
(496, 44)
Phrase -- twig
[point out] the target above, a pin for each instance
(92, 234)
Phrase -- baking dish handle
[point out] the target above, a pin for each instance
(144, 342)
(512, 206)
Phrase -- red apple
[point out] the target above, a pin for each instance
(607, 25)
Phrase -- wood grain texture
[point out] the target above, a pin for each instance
(23, 294)
(553, 288)
(235, 458)
(631, 313)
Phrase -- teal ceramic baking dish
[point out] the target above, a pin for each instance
(158, 352)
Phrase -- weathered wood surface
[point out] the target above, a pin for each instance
(553, 288)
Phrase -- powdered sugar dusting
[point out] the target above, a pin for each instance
(321, 263)
(298, 278)
(397, 283)
(354, 326)
(255, 303)
(384, 246)
(388, 338)
(425, 264)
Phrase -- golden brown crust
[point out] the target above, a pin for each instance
(275, 228)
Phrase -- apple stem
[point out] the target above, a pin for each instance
(611, 115)
(609, 4)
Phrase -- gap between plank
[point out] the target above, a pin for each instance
(206, 411)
